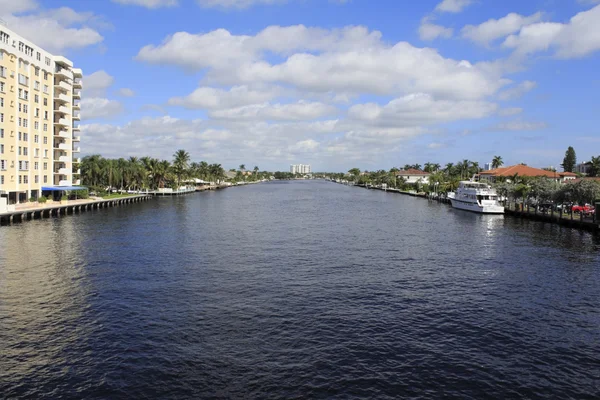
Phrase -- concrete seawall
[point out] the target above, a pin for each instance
(73, 207)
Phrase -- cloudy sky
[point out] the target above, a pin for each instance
(335, 83)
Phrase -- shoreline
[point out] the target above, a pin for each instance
(553, 218)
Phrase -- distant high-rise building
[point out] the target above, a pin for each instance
(487, 166)
(300, 169)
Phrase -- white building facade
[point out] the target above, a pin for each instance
(39, 119)
(300, 169)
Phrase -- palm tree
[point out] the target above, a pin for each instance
(242, 167)
(464, 168)
(181, 160)
(255, 170)
(497, 162)
(428, 167)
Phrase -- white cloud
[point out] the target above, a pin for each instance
(55, 30)
(494, 29)
(351, 60)
(301, 110)
(507, 112)
(431, 31)
(519, 126)
(437, 145)
(126, 92)
(418, 110)
(453, 6)
(517, 91)
(577, 38)
(17, 6)
(95, 107)
(152, 4)
(97, 83)
(215, 98)
(237, 4)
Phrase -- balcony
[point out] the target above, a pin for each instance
(62, 85)
(62, 97)
(77, 182)
(76, 171)
(76, 160)
(77, 94)
(63, 133)
(63, 110)
(63, 73)
(62, 171)
(61, 121)
(61, 146)
(77, 138)
(63, 159)
(76, 106)
(64, 183)
(76, 149)
(77, 115)
(76, 127)
(77, 83)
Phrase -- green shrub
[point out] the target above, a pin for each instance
(42, 199)
(32, 199)
(64, 198)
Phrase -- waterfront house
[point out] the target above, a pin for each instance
(412, 175)
(524, 170)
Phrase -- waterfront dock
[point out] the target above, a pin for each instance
(39, 211)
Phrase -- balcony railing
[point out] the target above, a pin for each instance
(76, 149)
(76, 127)
(64, 85)
(76, 105)
(61, 146)
(64, 159)
(77, 138)
(76, 94)
(62, 171)
(76, 160)
(61, 121)
(64, 72)
(63, 133)
(61, 97)
(63, 109)
(77, 115)
(64, 183)
(78, 83)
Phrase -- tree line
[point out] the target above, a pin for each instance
(145, 173)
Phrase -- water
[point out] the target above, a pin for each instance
(297, 290)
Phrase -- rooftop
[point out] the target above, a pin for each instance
(524, 170)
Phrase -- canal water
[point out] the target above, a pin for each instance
(297, 290)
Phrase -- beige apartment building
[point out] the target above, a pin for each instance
(39, 120)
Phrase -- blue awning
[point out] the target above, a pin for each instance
(59, 188)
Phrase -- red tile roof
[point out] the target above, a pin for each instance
(411, 171)
(524, 170)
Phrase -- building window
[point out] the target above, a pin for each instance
(36, 85)
(38, 56)
(1, 149)
(23, 165)
(47, 61)
(45, 139)
(37, 153)
(36, 138)
(37, 72)
(23, 80)
(45, 101)
(19, 150)
(25, 122)
(20, 121)
(25, 108)
(2, 87)
(25, 136)
(37, 112)
(46, 115)
(24, 151)
(45, 166)
(3, 165)
(36, 165)
(2, 133)
(25, 179)
(1, 101)
(1, 179)
(46, 89)
(1, 117)
(37, 179)
(45, 127)
(46, 153)
(20, 179)
(36, 98)
(45, 179)
(2, 72)
(36, 126)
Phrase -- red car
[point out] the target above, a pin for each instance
(583, 209)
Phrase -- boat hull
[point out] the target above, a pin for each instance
(474, 207)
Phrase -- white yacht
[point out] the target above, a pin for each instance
(478, 197)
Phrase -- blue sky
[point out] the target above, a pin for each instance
(337, 84)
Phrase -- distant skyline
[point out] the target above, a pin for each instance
(332, 83)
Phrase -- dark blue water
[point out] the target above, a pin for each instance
(297, 290)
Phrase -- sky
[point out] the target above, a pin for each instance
(337, 84)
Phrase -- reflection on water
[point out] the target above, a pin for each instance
(297, 289)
